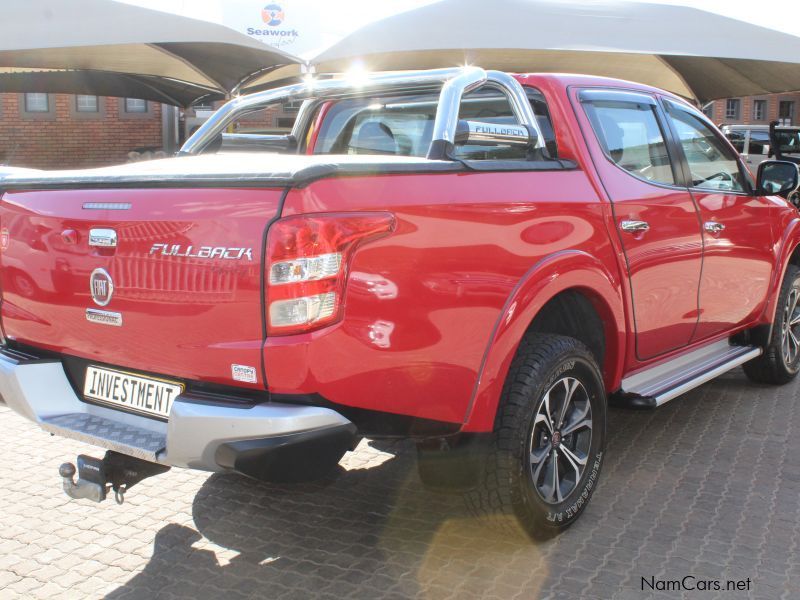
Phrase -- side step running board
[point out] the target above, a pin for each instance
(655, 386)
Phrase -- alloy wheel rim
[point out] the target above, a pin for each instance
(790, 336)
(560, 440)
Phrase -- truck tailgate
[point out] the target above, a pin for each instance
(179, 293)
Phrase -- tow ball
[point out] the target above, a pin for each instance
(114, 472)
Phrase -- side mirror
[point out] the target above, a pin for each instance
(777, 178)
(493, 134)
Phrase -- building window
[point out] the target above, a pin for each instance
(708, 110)
(202, 106)
(86, 104)
(135, 105)
(759, 110)
(37, 103)
(786, 112)
(292, 107)
(732, 109)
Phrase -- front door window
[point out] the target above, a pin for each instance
(712, 164)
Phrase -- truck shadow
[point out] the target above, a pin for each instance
(364, 532)
(371, 530)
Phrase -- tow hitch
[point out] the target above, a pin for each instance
(97, 477)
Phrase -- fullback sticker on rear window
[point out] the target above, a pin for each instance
(243, 373)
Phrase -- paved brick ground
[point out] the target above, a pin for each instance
(708, 485)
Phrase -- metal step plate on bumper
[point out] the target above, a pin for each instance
(105, 433)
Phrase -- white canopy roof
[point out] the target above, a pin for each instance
(688, 51)
(106, 46)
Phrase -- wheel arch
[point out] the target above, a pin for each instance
(541, 301)
(788, 254)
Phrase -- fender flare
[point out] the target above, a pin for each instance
(790, 240)
(555, 273)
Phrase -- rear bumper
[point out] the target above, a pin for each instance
(266, 440)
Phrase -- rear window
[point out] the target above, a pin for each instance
(759, 142)
(788, 140)
(403, 126)
(736, 138)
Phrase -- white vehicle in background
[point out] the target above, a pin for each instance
(755, 145)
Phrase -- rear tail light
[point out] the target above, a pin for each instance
(307, 262)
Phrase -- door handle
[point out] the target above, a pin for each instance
(634, 226)
(713, 227)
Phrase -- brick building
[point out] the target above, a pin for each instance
(756, 110)
(64, 131)
(57, 131)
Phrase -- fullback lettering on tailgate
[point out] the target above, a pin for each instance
(209, 252)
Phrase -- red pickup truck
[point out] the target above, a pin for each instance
(478, 261)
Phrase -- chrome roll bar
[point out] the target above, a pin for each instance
(444, 125)
(451, 83)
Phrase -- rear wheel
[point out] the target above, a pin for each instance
(780, 361)
(544, 459)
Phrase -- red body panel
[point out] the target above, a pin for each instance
(422, 304)
(185, 317)
(737, 263)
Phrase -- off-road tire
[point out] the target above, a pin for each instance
(774, 366)
(506, 487)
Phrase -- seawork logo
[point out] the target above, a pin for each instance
(690, 583)
(273, 15)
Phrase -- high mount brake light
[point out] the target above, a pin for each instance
(306, 267)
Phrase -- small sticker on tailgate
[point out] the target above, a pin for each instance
(243, 373)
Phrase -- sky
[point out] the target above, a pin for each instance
(321, 23)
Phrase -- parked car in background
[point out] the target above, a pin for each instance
(755, 144)
(476, 261)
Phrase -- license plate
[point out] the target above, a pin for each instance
(134, 393)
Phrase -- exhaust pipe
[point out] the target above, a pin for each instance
(97, 477)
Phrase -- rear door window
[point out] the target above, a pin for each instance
(631, 137)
